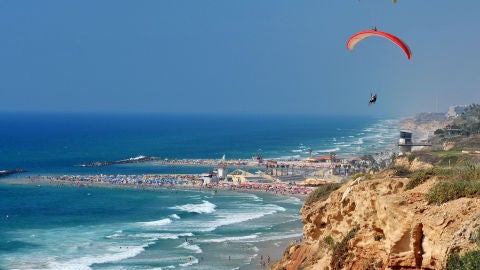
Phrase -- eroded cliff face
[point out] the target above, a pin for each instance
(398, 229)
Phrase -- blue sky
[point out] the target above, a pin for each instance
(260, 57)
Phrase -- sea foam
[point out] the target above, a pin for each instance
(229, 218)
(274, 237)
(192, 247)
(87, 261)
(327, 150)
(230, 239)
(155, 223)
(205, 207)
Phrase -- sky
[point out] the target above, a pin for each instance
(237, 57)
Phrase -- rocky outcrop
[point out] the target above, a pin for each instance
(138, 159)
(398, 229)
(4, 173)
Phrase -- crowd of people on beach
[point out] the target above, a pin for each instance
(282, 189)
(171, 181)
(146, 180)
(209, 162)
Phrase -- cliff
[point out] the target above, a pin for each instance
(423, 125)
(373, 222)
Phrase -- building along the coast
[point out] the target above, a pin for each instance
(405, 142)
(221, 171)
(218, 174)
(209, 178)
(242, 177)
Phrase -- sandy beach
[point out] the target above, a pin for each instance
(169, 181)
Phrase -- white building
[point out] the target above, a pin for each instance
(455, 111)
(221, 170)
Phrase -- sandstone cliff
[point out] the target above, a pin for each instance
(382, 226)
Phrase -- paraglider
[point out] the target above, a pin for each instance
(373, 99)
(357, 37)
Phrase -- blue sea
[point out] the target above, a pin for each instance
(66, 227)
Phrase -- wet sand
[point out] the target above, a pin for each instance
(273, 249)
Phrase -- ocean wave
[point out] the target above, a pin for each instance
(359, 141)
(230, 239)
(294, 157)
(175, 216)
(156, 236)
(137, 157)
(343, 144)
(192, 247)
(117, 234)
(327, 150)
(155, 223)
(223, 217)
(118, 254)
(234, 218)
(253, 197)
(291, 200)
(204, 208)
(275, 237)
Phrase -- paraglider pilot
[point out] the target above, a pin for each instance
(373, 99)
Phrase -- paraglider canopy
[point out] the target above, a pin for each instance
(353, 40)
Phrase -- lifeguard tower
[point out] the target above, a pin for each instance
(221, 171)
(405, 142)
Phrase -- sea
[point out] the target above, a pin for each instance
(52, 226)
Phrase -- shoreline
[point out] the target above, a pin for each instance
(173, 182)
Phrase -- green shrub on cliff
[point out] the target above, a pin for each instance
(477, 236)
(358, 175)
(469, 171)
(445, 172)
(329, 241)
(467, 261)
(340, 254)
(446, 191)
(460, 181)
(418, 177)
(321, 192)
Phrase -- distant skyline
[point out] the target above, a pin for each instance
(237, 57)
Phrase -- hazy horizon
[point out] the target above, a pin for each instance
(248, 57)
